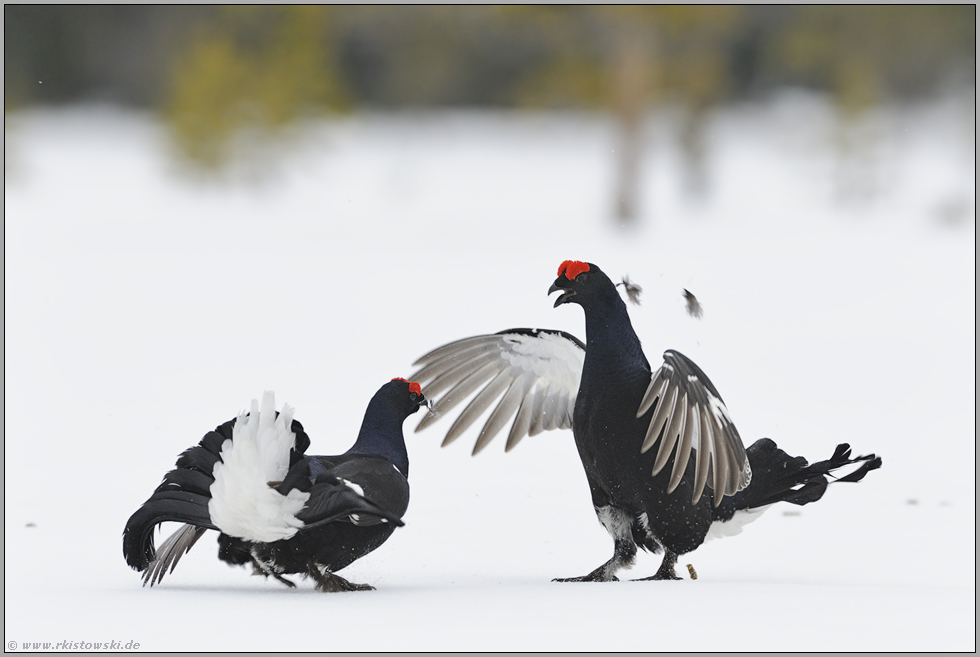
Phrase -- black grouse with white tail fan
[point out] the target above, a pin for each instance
(277, 509)
(700, 481)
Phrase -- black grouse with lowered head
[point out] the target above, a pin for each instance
(277, 509)
(699, 482)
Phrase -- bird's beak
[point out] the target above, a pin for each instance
(429, 405)
(566, 293)
(421, 401)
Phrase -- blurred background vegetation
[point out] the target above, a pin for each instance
(214, 71)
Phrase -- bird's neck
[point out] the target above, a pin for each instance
(381, 435)
(611, 341)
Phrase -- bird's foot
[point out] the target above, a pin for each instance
(331, 583)
(600, 574)
(666, 570)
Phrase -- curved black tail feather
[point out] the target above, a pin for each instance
(779, 477)
(182, 496)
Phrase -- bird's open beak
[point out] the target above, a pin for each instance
(429, 406)
(566, 294)
(420, 402)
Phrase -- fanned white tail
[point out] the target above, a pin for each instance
(242, 502)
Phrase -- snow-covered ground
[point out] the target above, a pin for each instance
(143, 307)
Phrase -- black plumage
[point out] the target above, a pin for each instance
(334, 509)
(699, 479)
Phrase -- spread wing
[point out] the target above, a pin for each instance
(532, 374)
(689, 414)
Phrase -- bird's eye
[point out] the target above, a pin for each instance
(581, 278)
(413, 396)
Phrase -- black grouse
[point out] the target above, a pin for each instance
(700, 480)
(277, 509)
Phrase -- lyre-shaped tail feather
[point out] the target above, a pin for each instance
(778, 477)
(183, 496)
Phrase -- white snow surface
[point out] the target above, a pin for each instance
(830, 315)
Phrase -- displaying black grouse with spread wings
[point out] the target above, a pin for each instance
(699, 479)
(277, 509)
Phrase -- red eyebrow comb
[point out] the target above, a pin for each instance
(572, 268)
(412, 385)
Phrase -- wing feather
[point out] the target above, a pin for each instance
(654, 391)
(522, 423)
(700, 445)
(533, 377)
(684, 446)
(560, 412)
(454, 348)
(661, 416)
(717, 464)
(458, 371)
(674, 429)
(503, 412)
(537, 413)
(688, 412)
(460, 391)
(479, 404)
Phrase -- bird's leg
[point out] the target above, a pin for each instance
(623, 556)
(619, 523)
(332, 583)
(283, 580)
(260, 568)
(666, 571)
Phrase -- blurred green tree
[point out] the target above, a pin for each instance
(253, 67)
